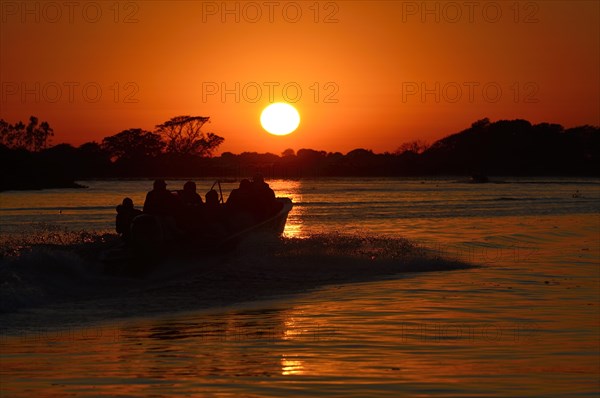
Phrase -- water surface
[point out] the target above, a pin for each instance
(364, 296)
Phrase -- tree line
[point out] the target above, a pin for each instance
(28, 161)
(180, 148)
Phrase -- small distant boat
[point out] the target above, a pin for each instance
(153, 240)
(479, 179)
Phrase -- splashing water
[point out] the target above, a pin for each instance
(61, 270)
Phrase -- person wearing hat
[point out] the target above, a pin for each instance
(126, 212)
(160, 201)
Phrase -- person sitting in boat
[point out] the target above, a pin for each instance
(263, 197)
(190, 211)
(240, 206)
(165, 206)
(160, 201)
(212, 200)
(213, 215)
(189, 196)
(126, 212)
(240, 198)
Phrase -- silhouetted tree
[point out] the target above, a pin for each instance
(310, 155)
(36, 137)
(184, 136)
(57, 162)
(288, 153)
(133, 144)
(481, 123)
(33, 136)
(12, 135)
(5, 129)
(43, 135)
(417, 146)
(93, 161)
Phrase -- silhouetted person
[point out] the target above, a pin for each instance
(163, 204)
(213, 209)
(214, 220)
(212, 199)
(240, 199)
(189, 196)
(126, 212)
(160, 201)
(189, 212)
(264, 202)
(240, 206)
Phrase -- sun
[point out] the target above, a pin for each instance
(280, 118)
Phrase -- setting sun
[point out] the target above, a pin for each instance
(280, 118)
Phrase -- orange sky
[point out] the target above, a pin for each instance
(361, 67)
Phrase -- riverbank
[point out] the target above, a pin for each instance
(39, 184)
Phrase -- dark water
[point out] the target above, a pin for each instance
(380, 287)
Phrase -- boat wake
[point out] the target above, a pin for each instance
(60, 279)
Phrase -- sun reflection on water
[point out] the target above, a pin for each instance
(291, 189)
(291, 367)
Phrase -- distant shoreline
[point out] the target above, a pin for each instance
(480, 152)
(38, 185)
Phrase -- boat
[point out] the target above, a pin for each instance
(479, 179)
(154, 239)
